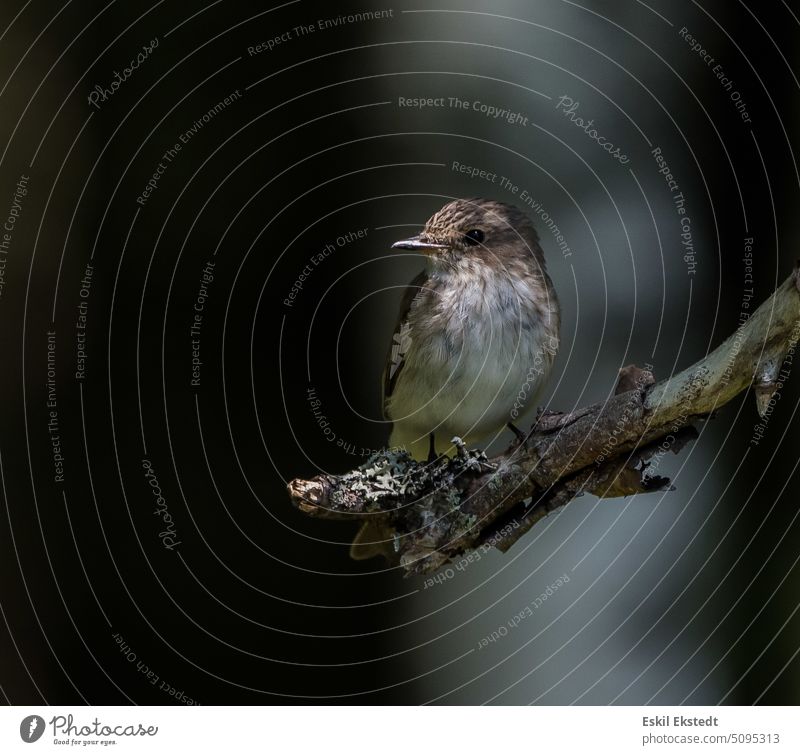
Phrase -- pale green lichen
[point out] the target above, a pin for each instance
(383, 476)
(388, 480)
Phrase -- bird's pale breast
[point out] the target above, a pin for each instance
(483, 347)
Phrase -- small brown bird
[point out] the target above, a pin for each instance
(476, 334)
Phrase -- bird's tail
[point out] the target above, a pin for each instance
(375, 538)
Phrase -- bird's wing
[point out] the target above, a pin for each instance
(401, 339)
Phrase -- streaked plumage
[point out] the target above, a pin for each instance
(470, 328)
(475, 338)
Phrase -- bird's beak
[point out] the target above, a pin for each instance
(419, 244)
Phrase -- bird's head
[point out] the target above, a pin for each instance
(479, 228)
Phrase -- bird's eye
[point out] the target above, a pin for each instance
(473, 237)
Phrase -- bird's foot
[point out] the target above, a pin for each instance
(474, 460)
(434, 458)
(461, 447)
(521, 439)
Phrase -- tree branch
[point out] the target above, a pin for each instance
(432, 513)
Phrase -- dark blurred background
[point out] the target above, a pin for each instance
(687, 596)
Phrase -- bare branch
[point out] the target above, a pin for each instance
(432, 513)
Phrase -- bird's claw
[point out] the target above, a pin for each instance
(461, 447)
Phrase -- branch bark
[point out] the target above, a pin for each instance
(432, 513)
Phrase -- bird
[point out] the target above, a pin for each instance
(476, 334)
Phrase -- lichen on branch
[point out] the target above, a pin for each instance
(429, 514)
